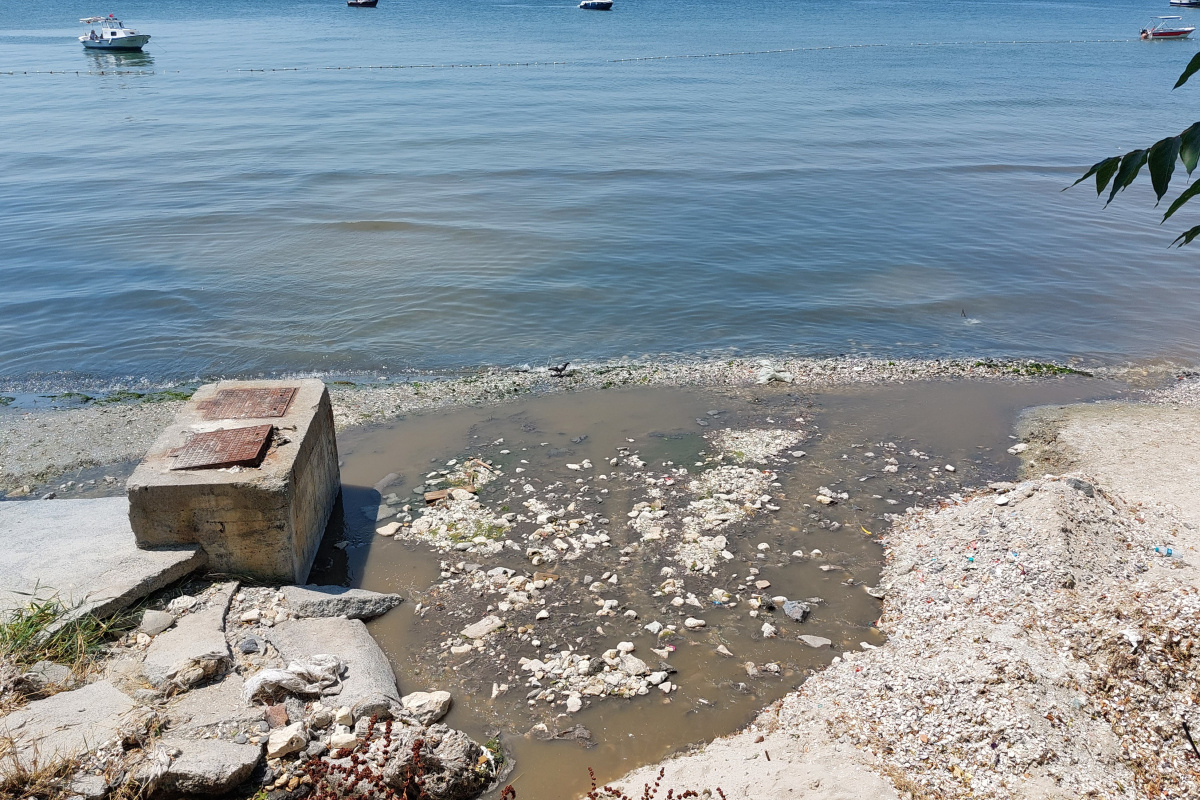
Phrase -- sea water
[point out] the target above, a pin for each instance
(254, 194)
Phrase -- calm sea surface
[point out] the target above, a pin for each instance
(172, 215)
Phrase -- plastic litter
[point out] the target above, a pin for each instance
(319, 676)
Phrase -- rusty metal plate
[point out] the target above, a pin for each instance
(248, 403)
(238, 447)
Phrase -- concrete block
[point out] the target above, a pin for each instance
(84, 552)
(266, 520)
(67, 724)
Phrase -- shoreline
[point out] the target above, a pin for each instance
(844, 733)
(41, 443)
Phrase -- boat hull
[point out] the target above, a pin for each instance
(125, 43)
(1170, 34)
(362, 3)
(1186, 3)
(596, 5)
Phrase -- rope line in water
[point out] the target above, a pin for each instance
(503, 64)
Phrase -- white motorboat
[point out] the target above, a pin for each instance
(112, 35)
(1164, 28)
(1186, 3)
(596, 5)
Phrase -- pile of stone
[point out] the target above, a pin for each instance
(229, 685)
(567, 677)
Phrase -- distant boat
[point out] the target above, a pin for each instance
(1186, 3)
(112, 36)
(596, 5)
(362, 3)
(1166, 29)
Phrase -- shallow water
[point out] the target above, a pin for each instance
(966, 424)
(169, 216)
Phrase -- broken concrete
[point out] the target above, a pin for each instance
(368, 679)
(220, 705)
(338, 601)
(68, 723)
(204, 766)
(83, 551)
(264, 520)
(195, 649)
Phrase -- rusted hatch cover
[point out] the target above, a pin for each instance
(248, 403)
(237, 447)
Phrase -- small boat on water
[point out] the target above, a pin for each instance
(596, 5)
(1186, 3)
(362, 3)
(1166, 29)
(113, 35)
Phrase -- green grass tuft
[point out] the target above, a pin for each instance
(49, 630)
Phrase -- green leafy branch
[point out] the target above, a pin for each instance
(1160, 158)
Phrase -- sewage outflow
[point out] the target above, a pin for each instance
(876, 450)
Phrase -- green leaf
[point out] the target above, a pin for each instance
(1188, 236)
(1103, 170)
(1131, 165)
(1189, 147)
(1188, 71)
(1161, 160)
(1188, 194)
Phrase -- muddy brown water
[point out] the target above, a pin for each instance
(963, 424)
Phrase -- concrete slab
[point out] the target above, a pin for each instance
(368, 673)
(85, 551)
(195, 649)
(68, 723)
(205, 767)
(338, 601)
(220, 705)
(265, 520)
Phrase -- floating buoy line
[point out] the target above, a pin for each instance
(591, 62)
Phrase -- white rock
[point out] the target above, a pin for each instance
(768, 630)
(285, 741)
(815, 641)
(344, 716)
(543, 614)
(625, 647)
(654, 627)
(427, 707)
(482, 628)
(340, 740)
(253, 615)
(692, 622)
(574, 704)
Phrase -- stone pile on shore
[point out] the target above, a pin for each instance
(282, 688)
